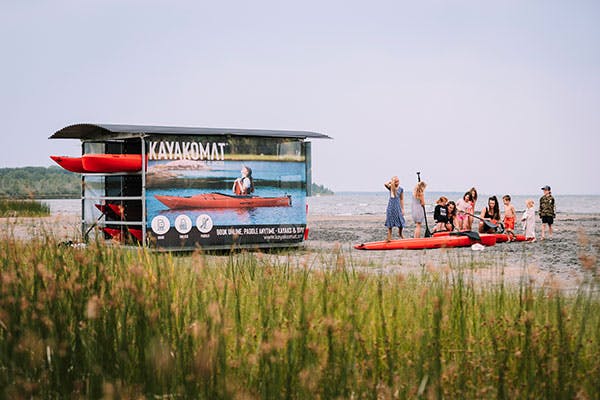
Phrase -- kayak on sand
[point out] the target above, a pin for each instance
(500, 237)
(435, 242)
(220, 200)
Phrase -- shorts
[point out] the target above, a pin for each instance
(509, 223)
(547, 220)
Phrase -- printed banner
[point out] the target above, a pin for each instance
(221, 191)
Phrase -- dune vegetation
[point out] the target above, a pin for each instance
(116, 322)
(23, 208)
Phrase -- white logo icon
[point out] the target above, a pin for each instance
(183, 224)
(204, 223)
(160, 224)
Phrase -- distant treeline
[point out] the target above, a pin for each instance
(38, 182)
(55, 182)
(320, 189)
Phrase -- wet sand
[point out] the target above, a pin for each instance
(553, 262)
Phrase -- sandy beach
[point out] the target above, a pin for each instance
(553, 262)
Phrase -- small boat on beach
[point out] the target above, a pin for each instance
(500, 237)
(435, 242)
(220, 200)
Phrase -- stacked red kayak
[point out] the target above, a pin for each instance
(100, 163)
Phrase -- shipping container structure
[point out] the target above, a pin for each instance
(180, 188)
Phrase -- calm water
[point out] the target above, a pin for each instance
(375, 203)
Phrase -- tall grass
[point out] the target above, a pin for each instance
(105, 321)
(23, 208)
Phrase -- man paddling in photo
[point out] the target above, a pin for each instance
(547, 211)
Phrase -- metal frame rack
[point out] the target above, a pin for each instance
(87, 226)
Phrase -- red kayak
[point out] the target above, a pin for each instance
(219, 200)
(112, 162)
(73, 164)
(118, 234)
(435, 242)
(500, 237)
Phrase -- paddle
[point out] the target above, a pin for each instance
(487, 223)
(102, 214)
(427, 232)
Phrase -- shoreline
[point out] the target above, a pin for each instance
(553, 263)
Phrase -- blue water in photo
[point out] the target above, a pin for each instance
(234, 216)
(261, 170)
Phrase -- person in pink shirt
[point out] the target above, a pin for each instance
(464, 207)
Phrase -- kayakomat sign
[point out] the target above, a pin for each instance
(222, 191)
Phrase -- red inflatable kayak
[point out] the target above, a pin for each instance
(73, 164)
(112, 162)
(435, 242)
(219, 200)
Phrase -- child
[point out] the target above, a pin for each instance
(440, 215)
(473, 192)
(547, 211)
(418, 204)
(464, 207)
(244, 185)
(528, 220)
(395, 208)
(509, 216)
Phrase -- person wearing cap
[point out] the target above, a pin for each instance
(547, 211)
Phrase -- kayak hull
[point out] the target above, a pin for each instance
(107, 163)
(73, 164)
(218, 200)
(500, 237)
(435, 242)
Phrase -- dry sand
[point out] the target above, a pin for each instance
(553, 262)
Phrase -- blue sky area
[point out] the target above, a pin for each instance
(499, 95)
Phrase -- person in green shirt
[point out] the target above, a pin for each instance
(547, 211)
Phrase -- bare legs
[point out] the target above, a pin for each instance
(418, 230)
(389, 234)
(544, 231)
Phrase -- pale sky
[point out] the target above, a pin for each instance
(504, 96)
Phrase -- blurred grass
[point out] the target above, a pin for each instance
(23, 208)
(121, 323)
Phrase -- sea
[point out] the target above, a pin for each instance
(375, 203)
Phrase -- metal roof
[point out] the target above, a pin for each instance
(108, 131)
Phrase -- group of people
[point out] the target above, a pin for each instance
(460, 215)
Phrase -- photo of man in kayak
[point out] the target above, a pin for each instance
(244, 185)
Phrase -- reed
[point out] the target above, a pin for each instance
(23, 208)
(105, 321)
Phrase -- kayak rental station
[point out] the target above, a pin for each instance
(182, 188)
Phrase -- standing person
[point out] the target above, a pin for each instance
(394, 215)
(547, 211)
(528, 220)
(490, 213)
(418, 207)
(473, 192)
(440, 215)
(509, 216)
(464, 207)
(244, 185)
